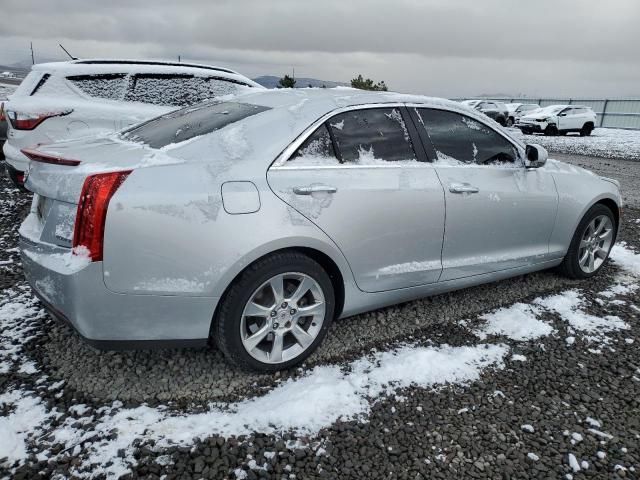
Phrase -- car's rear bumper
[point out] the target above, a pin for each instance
(110, 320)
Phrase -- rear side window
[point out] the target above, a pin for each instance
(316, 150)
(111, 87)
(372, 136)
(458, 139)
(190, 122)
(178, 90)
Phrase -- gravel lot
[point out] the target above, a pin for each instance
(561, 404)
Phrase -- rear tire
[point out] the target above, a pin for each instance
(272, 340)
(581, 245)
(510, 122)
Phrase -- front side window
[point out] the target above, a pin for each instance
(177, 90)
(372, 136)
(111, 87)
(458, 139)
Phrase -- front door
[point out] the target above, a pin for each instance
(359, 179)
(500, 215)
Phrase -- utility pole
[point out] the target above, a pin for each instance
(33, 60)
(178, 58)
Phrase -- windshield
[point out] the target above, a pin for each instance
(190, 122)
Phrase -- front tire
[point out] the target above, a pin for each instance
(276, 313)
(586, 130)
(551, 131)
(591, 243)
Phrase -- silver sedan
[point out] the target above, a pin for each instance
(257, 221)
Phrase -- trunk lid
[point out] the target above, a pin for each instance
(95, 155)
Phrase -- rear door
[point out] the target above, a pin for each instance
(500, 215)
(361, 177)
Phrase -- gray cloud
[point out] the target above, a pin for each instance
(457, 47)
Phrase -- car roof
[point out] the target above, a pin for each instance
(106, 66)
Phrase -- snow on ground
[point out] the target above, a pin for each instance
(305, 405)
(603, 142)
(6, 89)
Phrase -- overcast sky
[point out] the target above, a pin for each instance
(435, 47)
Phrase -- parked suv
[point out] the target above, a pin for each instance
(63, 100)
(517, 110)
(559, 120)
(495, 110)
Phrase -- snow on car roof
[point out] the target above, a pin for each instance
(105, 66)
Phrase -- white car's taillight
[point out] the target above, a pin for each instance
(92, 212)
(29, 121)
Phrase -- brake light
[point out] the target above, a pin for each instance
(92, 211)
(29, 121)
(37, 156)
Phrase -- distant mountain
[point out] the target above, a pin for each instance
(271, 81)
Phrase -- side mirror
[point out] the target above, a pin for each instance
(536, 156)
(562, 115)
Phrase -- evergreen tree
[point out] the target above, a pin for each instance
(368, 84)
(287, 82)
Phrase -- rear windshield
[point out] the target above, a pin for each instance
(190, 122)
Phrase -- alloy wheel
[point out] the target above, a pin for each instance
(595, 244)
(282, 318)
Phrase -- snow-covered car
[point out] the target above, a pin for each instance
(495, 110)
(517, 110)
(256, 221)
(559, 120)
(63, 100)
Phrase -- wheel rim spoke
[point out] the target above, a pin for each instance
(277, 287)
(302, 337)
(255, 310)
(595, 244)
(305, 285)
(252, 342)
(311, 310)
(276, 349)
(592, 259)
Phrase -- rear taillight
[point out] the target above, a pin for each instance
(37, 156)
(29, 121)
(92, 212)
(2, 116)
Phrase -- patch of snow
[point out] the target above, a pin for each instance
(518, 358)
(567, 305)
(518, 322)
(533, 456)
(527, 428)
(573, 463)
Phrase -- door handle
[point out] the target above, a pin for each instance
(308, 190)
(463, 188)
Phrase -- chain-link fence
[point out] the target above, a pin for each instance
(612, 113)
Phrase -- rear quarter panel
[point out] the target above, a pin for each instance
(168, 233)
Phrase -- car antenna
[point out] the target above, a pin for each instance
(65, 51)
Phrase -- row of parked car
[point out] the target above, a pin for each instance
(253, 218)
(531, 118)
